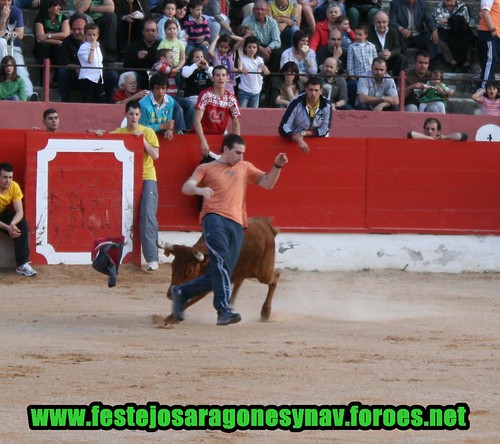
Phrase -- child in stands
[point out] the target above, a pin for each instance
(90, 58)
(196, 27)
(222, 54)
(435, 92)
(172, 42)
(489, 99)
(197, 74)
(165, 65)
(12, 86)
(251, 66)
(169, 10)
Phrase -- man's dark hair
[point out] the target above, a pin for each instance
(7, 167)
(48, 111)
(77, 16)
(158, 79)
(314, 81)
(132, 104)
(219, 67)
(422, 53)
(378, 60)
(147, 22)
(433, 120)
(230, 140)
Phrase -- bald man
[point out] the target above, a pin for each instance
(386, 40)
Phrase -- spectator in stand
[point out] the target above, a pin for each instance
(131, 15)
(377, 90)
(140, 56)
(323, 28)
(217, 18)
(13, 223)
(334, 86)
(12, 33)
(307, 13)
(266, 29)
(196, 27)
(361, 53)
(157, 107)
(103, 15)
(455, 35)
(488, 39)
(320, 11)
(348, 35)
(239, 10)
(90, 74)
(386, 41)
(127, 89)
(252, 68)
(221, 53)
(362, 11)
(197, 74)
(489, 99)
(332, 49)
(303, 56)
(169, 9)
(214, 108)
(435, 93)
(51, 28)
(416, 26)
(183, 108)
(286, 87)
(67, 73)
(432, 131)
(416, 78)
(172, 42)
(308, 115)
(11, 84)
(288, 15)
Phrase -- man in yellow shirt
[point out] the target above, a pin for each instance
(14, 224)
(222, 184)
(149, 196)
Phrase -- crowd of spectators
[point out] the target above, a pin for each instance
(254, 40)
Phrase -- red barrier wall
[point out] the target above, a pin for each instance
(354, 185)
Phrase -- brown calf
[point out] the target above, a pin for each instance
(256, 261)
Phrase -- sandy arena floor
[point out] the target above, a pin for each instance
(376, 337)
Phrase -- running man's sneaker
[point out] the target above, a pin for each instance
(26, 270)
(153, 266)
(227, 317)
(178, 304)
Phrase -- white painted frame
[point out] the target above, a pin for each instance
(49, 153)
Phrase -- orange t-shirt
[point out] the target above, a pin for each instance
(229, 184)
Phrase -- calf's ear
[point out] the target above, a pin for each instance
(169, 249)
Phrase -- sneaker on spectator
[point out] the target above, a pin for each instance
(153, 266)
(178, 304)
(26, 270)
(228, 317)
(33, 97)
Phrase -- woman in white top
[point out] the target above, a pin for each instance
(302, 55)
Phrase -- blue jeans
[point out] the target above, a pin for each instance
(186, 108)
(248, 100)
(148, 222)
(224, 239)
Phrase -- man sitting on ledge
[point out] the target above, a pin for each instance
(14, 223)
(432, 131)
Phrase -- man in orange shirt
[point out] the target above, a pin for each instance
(222, 184)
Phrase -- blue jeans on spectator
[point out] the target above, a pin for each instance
(148, 222)
(184, 107)
(224, 239)
(190, 46)
(248, 100)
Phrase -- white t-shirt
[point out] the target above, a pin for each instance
(251, 83)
